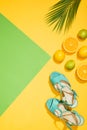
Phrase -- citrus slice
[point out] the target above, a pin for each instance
(70, 45)
(82, 72)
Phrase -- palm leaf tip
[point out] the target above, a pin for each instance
(62, 14)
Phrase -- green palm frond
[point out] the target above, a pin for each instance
(62, 14)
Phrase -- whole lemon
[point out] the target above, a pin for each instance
(59, 56)
(82, 52)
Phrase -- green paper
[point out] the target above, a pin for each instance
(20, 60)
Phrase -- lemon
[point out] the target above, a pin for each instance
(59, 56)
(70, 64)
(82, 52)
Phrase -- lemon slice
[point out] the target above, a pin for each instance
(70, 45)
(82, 72)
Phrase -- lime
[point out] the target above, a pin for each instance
(82, 34)
(70, 64)
(59, 56)
(82, 52)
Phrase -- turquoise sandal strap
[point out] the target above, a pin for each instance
(54, 108)
(56, 77)
(52, 105)
(65, 102)
(75, 94)
(77, 114)
(69, 126)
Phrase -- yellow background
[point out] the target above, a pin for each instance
(28, 112)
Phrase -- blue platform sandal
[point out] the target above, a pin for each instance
(71, 118)
(62, 85)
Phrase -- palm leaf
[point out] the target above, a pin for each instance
(62, 14)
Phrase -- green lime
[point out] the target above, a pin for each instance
(70, 64)
(82, 34)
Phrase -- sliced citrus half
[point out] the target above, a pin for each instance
(82, 72)
(70, 45)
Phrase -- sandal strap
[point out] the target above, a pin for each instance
(63, 81)
(55, 77)
(71, 95)
(61, 113)
(69, 126)
(55, 109)
(77, 115)
(58, 113)
(73, 117)
(74, 94)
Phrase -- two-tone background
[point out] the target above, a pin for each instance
(28, 111)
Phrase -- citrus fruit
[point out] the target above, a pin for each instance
(70, 64)
(59, 56)
(82, 34)
(70, 45)
(82, 72)
(82, 52)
